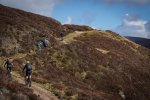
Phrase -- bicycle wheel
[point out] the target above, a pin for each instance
(29, 82)
(9, 75)
(26, 80)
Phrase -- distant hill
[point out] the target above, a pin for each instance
(141, 41)
(87, 65)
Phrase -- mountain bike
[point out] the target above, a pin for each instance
(28, 80)
(9, 73)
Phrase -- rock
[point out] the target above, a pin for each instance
(3, 90)
(121, 93)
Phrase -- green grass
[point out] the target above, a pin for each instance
(65, 58)
(81, 75)
(71, 37)
(19, 55)
(1, 62)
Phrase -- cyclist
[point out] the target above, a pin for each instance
(9, 65)
(28, 70)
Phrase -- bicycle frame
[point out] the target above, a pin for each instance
(28, 80)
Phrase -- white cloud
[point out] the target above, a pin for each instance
(69, 20)
(127, 14)
(134, 23)
(93, 27)
(43, 7)
(133, 26)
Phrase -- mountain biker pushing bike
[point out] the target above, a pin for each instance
(28, 70)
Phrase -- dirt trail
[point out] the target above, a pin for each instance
(70, 37)
(43, 93)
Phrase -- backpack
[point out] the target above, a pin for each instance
(45, 43)
(9, 63)
(28, 67)
(38, 43)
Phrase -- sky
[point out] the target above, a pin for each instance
(126, 17)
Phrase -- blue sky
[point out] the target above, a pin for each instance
(126, 17)
(88, 13)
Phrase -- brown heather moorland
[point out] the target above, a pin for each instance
(87, 65)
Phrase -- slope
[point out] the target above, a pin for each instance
(37, 89)
(87, 65)
(19, 30)
(96, 65)
(141, 41)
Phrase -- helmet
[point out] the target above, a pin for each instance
(28, 62)
(10, 59)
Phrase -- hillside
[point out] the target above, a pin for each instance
(87, 65)
(19, 30)
(141, 41)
